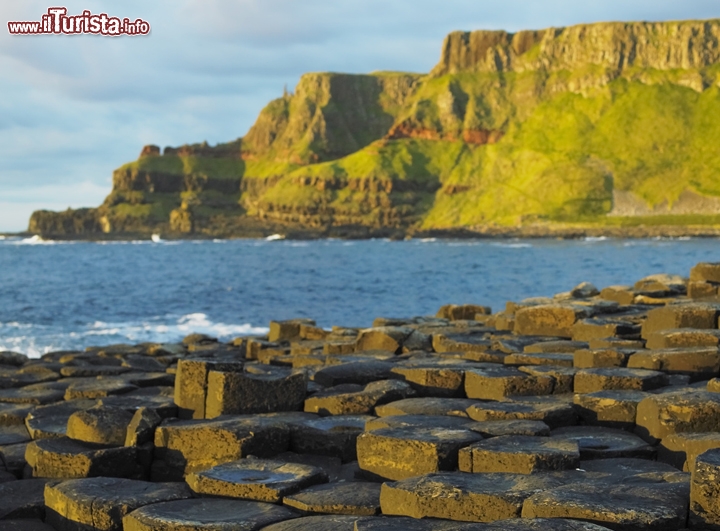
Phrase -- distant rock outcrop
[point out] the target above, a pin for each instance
(598, 124)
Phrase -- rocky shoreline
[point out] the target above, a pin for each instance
(356, 232)
(591, 410)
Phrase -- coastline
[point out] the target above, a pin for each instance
(357, 232)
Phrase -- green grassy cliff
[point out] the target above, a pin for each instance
(602, 125)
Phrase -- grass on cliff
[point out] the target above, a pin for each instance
(221, 168)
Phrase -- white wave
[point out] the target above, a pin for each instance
(274, 237)
(513, 245)
(595, 238)
(428, 240)
(36, 340)
(156, 238)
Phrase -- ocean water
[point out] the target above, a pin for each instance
(70, 295)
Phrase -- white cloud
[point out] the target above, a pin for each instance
(74, 108)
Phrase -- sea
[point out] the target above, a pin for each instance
(71, 295)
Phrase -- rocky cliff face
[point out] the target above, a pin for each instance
(554, 125)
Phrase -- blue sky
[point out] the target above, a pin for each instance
(73, 108)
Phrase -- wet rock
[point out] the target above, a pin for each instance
(463, 497)
(68, 458)
(405, 452)
(618, 378)
(700, 363)
(426, 406)
(554, 415)
(254, 391)
(191, 384)
(612, 409)
(705, 492)
(331, 436)
(102, 425)
(498, 383)
(352, 399)
(141, 429)
(206, 514)
(12, 458)
(184, 446)
(677, 412)
(605, 443)
(519, 455)
(101, 503)
(362, 499)
(255, 479)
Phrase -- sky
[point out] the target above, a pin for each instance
(75, 107)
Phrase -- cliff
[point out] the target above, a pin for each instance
(605, 124)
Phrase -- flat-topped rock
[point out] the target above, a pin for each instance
(255, 479)
(605, 443)
(686, 315)
(405, 452)
(206, 514)
(617, 378)
(361, 372)
(498, 383)
(637, 507)
(316, 523)
(445, 378)
(698, 362)
(353, 498)
(101, 503)
(555, 359)
(612, 409)
(95, 388)
(399, 523)
(555, 320)
(13, 435)
(22, 499)
(563, 377)
(426, 406)
(102, 425)
(517, 454)
(602, 357)
(14, 414)
(191, 384)
(681, 449)
(463, 497)
(68, 458)
(553, 414)
(544, 524)
(681, 411)
(254, 390)
(682, 338)
(331, 436)
(416, 421)
(32, 524)
(352, 399)
(183, 446)
(705, 491)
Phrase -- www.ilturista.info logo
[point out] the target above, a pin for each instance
(58, 22)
